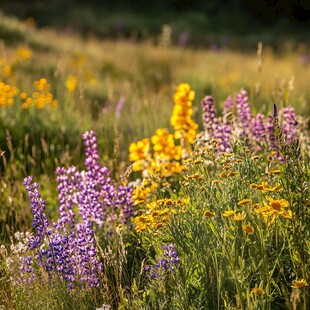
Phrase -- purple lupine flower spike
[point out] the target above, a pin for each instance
(289, 124)
(37, 204)
(167, 263)
(209, 119)
(258, 128)
(244, 114)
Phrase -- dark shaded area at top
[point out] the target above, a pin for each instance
(199, 23)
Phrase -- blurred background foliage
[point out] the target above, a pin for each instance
(234, 24)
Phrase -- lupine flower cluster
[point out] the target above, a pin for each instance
(168, 263)
(92, 191)
(67, 248)
(69, 255)
(257, 130)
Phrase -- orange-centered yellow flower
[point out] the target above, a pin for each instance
(300, 283)
(248, 228)
(244, 202)
(208, 213)
(258, 291)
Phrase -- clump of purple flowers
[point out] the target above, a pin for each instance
(69, 255)
(238, 122)
(165, 264)
(92, 191)
(87, 199)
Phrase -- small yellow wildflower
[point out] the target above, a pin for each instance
(258, 291)
(140, 150)
(231, 174)
(277, 204)
(248, 228)
(217, 182)
(71, 83)
(208, 213)
(299, 283)
(229, 213)
(244, 202)
(240, 216)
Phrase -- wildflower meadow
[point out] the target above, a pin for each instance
(140, 176)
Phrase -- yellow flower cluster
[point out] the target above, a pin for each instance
(270, 210)
(22, 54)
(264, 187)
(141, 191)
(7, 94)
(165, 156)
(41, 97)
(181, 119)
(162, 160)
(164, 146)
(157, 213)
(139, 154)
(273, 209)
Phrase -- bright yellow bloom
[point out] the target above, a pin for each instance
(229, 213)
(258, 291)
(208, 213)
(244, 202)
(141, 191)
(265, 187)
(299, 283)
(231, 174)
(164, 146)
(7, 94)
(185, 128)
(240, 216)
(277, 204)
(139, 151)
(248, 228)
(153, 216)
(71, 83)
(274, 208)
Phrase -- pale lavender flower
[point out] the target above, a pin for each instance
(289, 124)
(27, 275)
(244, 114)
(228, 105)
(258, 128)
(209, 119)
(223, 135)
(120, 106)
